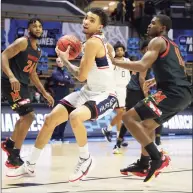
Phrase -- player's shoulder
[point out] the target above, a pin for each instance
(94, 40)
(156, 40)
(21, 40)
(156, 43)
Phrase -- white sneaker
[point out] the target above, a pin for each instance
(82, 169)
(25, 170)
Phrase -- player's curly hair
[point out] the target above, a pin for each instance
(102, 15)
(119, 45)
(33, 20)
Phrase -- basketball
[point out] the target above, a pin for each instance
(75, 45)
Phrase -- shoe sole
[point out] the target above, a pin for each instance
(84, 175)
(11, 166)
(157, 172)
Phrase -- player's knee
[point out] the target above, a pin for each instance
(50, 122)
(74, 118)
(30, 117)
(127, 118)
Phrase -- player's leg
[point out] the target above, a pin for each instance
(132, 98)
(85, 161)
(152, 107)
(117, 120)
(95, 108)
(140, 167)
(57, 116)
(20, 103)
(158, 132)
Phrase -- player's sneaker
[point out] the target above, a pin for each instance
(156, 166)
(14, 161)
(117, 149)
(124, 143)
(26, 169)
(137, 169)
(7, 146)
(82, 169)
(107, 134)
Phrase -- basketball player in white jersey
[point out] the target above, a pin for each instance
(93, 101)
(122, 78)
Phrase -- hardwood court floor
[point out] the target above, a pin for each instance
(57, 162)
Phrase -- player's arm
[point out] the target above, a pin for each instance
(87, 61)
(142, 76)
(37, 83)
(12, 50)
(147, 60)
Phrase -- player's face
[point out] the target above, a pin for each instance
(36, 30)
(91, 23)
(155, 28)
(59, 63)
(120, 52)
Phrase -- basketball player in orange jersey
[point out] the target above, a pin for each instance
(174, 93)
(95, 99)
(122, 77)
(19, 61)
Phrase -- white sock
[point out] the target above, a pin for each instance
(118, 134)
(84, 153)
(109, 128)
(11, 139)
(35, 154)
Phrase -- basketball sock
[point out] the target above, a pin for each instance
(84, 153)
(153, 151)
(10, 143)
(118, 133)
(123, 131)
(35, 154)
(158, 131)
(109, 128)
(144, 160)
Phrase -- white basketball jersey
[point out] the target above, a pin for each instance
(122, 76)
(101, 76)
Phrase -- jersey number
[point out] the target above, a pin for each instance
(29, 68)
(177, 51)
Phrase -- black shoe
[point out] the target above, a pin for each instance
(107, 134)
(158, 141)
(156, 166)
(14, 160)
(137, 169)
(7, 146)
(124, 143)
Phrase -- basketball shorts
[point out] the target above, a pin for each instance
(121, 95)
(132, 98)
(164, 104)
(99, 103)
(19, 101)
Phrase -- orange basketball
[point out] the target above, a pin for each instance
(75, 45)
